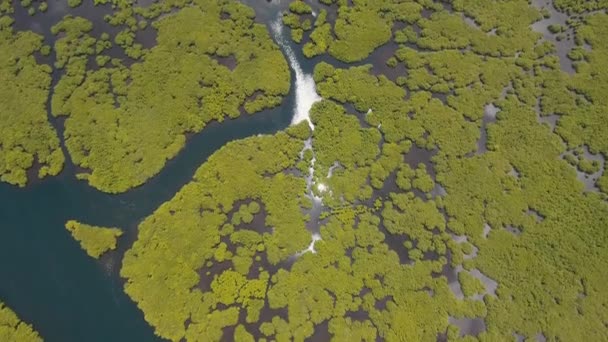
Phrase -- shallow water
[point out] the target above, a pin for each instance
(564, 46)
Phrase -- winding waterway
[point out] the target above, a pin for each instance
(46, 277)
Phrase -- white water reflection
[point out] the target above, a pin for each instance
(305, 87)
(311, 247)
(306, 96)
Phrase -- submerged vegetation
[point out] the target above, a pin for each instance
(94, 240)
(13, 329)
(433, 190)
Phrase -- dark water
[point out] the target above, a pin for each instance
(45, 277)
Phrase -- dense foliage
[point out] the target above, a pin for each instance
(521, 181)
(419, 178)
(578, 6)
(12, 329)
(234, 257)
(94, 240)
(212, 220)
(124, 123)
(446, 194)
(26, 137)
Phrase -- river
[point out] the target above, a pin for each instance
(47, 279)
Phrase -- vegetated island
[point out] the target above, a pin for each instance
(13, 329)
(94, 240)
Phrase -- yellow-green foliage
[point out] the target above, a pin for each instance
(74, 3)
(360, 28)
(423, 180)
(404, 177)
(330, 286)
(94, 240)
(193, 230)
(379, 273)
(578, 6)
(389, 161)
(124, 123)
(580, 100)
(300, 7)
(384, 102)
(469, 284)
(299, 131)
(521, 171)
(12, 329)
(584, 120)
(6, 7)
(602, 183)
(554, 266)
(508, 20)
(197, 229)
(26, 136)
(339, 138)
(589, 166)
(320, 39)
